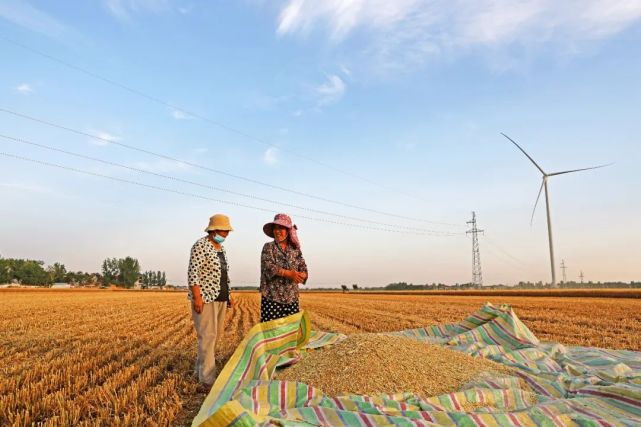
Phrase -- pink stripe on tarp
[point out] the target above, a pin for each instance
(552, 416)
(477, 419)
(319, 414)
(255, 403)
(283, 394)
(455, 402)
(310, 394)
(426, 415)
(365, 419)
(627, 400)
(514, 419)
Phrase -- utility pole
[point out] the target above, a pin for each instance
(477, 277)
(581, 276)
(563, 267)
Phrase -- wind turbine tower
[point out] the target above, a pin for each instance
(544, 184)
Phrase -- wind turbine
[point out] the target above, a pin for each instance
(544, 184)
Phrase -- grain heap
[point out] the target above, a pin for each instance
(374, 363)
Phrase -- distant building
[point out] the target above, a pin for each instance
(61, 286)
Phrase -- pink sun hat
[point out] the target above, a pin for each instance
(285, 221)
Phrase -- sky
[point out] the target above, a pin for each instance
(376, 125)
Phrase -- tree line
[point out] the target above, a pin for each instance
(122, 272)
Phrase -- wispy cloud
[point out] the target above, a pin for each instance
(25, 89)
(125, 10)
(23, 14)
(180, 115)
(270, 157)
(406, 32)
(104, 137)
(331, 91)
(31, 188)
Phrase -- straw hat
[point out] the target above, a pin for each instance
(219, 222)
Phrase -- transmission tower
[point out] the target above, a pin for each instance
(581, 276)
(564, 267)
(477, 277)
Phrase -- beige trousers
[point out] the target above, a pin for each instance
(209, 326)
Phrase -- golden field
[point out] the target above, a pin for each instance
(75, 357)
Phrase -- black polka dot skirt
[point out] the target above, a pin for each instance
(270, 310)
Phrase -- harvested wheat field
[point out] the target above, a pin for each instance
(375, 363)
(75, 357)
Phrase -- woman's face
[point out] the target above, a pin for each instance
(280, 233)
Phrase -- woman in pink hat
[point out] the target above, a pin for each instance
(282, 269)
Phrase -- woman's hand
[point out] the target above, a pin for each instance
(198, 302)
(295, 276)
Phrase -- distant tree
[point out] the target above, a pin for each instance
(163, 279)
(30, 272)
(344, 287)
(57, 272)
(355, 286)
(110, 271)
(129, 271)
(5, 270)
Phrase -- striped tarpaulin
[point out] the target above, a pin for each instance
(554, 385)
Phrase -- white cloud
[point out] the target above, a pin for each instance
(104, 137)
(271, 156)
(180, 115)
(124, 10)
(31, 188)
(331, 91)
(25, 89)
(406, 32)
(185, 10)
(22, 13)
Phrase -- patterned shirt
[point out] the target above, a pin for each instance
(205, 269)
(272, 259)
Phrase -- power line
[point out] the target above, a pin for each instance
(172, 178)
(198, 196)
(209, 169)
(193, 114)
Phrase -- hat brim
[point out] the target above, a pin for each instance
(219, 229)
(268, 228)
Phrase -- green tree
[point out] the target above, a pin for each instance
(110, 271)
(57, 272)
(129, 271)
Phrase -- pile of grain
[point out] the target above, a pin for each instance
(373, 363)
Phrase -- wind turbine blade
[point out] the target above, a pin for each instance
(526, 154)
(579, 170)
(537, 201)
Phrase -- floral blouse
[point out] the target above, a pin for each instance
(205, 269)
(272, 259)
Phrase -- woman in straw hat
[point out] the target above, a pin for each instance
(282, 269)
(209, 293)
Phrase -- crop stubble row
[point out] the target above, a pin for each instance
(126, 358)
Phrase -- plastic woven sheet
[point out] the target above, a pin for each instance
(555, 385)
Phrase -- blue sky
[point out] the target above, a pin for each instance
(395, 107)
